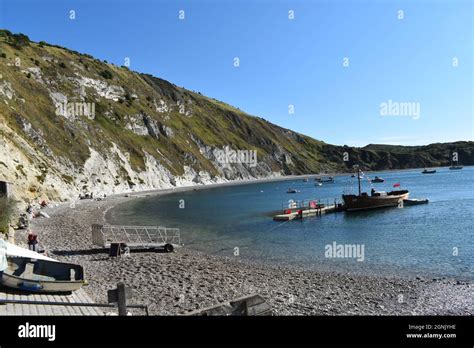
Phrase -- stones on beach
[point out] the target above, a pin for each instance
(179, 282)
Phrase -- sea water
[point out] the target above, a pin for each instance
(435, 239)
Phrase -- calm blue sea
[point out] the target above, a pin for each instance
(436, 239)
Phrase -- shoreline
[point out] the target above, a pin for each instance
(187, 280)
(199, 187)
(251, 181)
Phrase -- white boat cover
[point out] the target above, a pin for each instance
(9, 249)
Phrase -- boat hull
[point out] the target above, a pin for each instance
(415, 201)
(39, 286)
(365, 202)
(42, 276)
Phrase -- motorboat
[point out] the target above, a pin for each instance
(377, 199)
(324, 179)
(415, 201)
(377, 180)
(364, 201)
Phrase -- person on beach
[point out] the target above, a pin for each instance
(32, 240)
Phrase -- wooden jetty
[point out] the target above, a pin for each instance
(302, 209)
(307, 208)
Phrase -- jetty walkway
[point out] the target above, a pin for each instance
(78, 296)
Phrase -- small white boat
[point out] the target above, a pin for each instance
(26, 270)
(415, 201)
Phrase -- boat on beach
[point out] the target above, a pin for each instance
(30, 271)
(426, 171)
(377, 199)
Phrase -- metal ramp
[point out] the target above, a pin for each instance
(135, 236)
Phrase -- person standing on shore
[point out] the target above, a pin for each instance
(32, 240)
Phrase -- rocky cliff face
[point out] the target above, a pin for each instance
(71, 124)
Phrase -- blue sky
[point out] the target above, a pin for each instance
(286, 61)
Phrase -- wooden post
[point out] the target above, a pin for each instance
(121, 299)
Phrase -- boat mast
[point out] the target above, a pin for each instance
(358, 177)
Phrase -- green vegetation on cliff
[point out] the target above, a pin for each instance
(142, 116)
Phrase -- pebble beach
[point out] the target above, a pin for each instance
(185, 280)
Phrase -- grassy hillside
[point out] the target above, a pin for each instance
(146, 117)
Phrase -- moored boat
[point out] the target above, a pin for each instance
(324, 179)
(290, 190)
(380, 200)
(377, 199)
(456, 166)
(377, 180)
(415, 201)
(426, 171)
